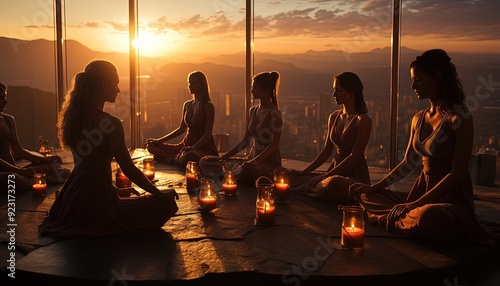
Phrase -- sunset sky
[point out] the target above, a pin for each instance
(200, 28)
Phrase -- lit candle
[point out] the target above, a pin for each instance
(265, 213)
(208, 203)
(352, 237)
(282, 191)
(148, 167)
(191, 182)
(39, 189)
(149, 174)
(122, 181)
(229, 189)
(39, 185)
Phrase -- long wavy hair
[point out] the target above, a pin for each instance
(437, 64)
(351, 82)
(79, 101)
(270, 81)
(204, 96)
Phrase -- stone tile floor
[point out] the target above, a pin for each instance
(224, 246)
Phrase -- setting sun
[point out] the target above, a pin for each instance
(151, 43)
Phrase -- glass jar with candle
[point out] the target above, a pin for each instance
(353, 227)
(207, 197)
(44, 146)
(265, 207)
(282, 185)
(148, 167)
(229, 185)
(192, 173)
(121, 181)
(39, 185)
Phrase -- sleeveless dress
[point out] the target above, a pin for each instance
(88, 203)
(261, 125)
(53, 171)
(343, 143)
(452, 218)
(262, 129)
(167, 152)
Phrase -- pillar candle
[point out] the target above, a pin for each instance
(208, 203)
(39, 189)
(229, 189)
(265, 214)
(352, 237)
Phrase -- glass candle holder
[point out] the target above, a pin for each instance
(282, 184)
(265, 207)
(229, 185)
(39, 185)
(353, 227)
(148, 167)
(192, 173)
(44, 146)
(207, 196)
(122, 181)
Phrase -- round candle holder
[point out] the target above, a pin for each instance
(229, 185)
(207, 197)
(265, 207)
(192, 173)
(282, 185)
(44, 146)
(122, 181)
(148, 167)
(39, 185)
(353, 227)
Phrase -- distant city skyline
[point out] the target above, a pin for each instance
(199, 28)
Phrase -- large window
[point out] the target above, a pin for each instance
(308, 42)
(468, 31)
(27, 68)
(311, 42)
(175, 40)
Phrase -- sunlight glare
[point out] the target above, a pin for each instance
(152, 44)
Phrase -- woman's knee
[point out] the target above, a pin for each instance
(190, 156)
(436, 222)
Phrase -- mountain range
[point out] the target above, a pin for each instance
(31, 63)
(28, 68)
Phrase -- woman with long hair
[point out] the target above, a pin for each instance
(348, 132)
(88, 203)
(263, 134)
(440, 205)
(197, 123)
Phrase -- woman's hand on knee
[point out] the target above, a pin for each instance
(358, 188)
